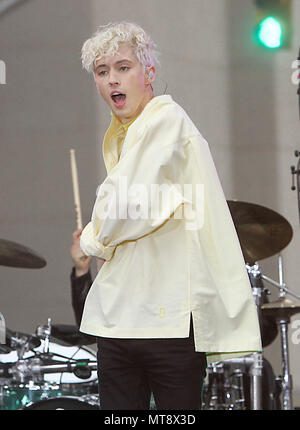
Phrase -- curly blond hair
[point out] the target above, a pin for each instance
(105, 42)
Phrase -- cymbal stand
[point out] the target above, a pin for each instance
(2, 341)
(286, 378)
(283, 322)
(2, 329)
(296, 171)
(281, 287)
(44, 332)
(254, 274)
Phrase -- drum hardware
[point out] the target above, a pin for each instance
(32, 369)
(281, 287)
(281, 311)
(254, 274)
(2, 329)
(28, 385)
(225, 390)
(296, 171)
(21, 342)
(238, 388)
(44, 332)
(219, 393)
(13, 254)
(256, 381)
(264, 233)
(36, 368)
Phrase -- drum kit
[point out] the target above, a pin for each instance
(55, 369)
(249, 382)
(51, 369)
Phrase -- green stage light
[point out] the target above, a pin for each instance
(273, 24)
(270, 33)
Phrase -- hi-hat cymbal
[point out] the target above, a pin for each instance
(282, 307)
(13, 254)
(262, 232)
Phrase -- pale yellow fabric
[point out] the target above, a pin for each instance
(158, 272)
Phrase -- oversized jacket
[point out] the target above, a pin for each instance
(185, 259)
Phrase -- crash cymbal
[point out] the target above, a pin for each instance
(262, 232)
(13, 254)
(282, 307)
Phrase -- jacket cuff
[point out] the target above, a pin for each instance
(91, 246)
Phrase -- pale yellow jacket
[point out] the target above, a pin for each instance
(160, 271)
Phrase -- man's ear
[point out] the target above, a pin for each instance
(150, 75)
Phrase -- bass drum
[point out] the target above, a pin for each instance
(62, 403)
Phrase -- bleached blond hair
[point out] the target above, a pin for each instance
(105, 42)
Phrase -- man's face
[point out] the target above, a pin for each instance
(121, 81)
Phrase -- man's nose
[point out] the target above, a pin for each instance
(113, 79)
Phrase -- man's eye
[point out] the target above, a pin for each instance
(102, 73)
(124, 68)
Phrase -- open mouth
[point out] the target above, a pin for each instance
(118, 99)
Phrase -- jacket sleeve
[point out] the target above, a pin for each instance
(140, 194)
(80, 286)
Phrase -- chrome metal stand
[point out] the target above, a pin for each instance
(281, 310)
(256, 381)
(257, 365)
(286, 377)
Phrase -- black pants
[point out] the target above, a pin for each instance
(130, 369)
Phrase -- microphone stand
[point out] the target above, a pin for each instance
(298, 92)
(295, 171)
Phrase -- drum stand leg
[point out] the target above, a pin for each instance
(2, 329)
(286, 378)
(256, 381)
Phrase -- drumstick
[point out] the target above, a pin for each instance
(76, 188)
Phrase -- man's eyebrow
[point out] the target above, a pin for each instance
(124, 60)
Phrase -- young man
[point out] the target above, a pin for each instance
(173, 292)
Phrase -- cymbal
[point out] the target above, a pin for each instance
(262, 232)
(282, 307)
(13, 254)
